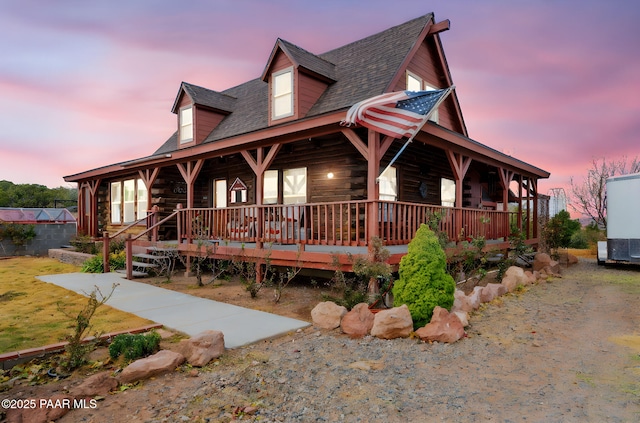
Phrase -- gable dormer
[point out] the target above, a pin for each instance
(199, 112)
(425, 68)
(297, 79)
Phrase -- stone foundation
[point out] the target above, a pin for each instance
(69, 256)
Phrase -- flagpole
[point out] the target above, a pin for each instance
(424, 121)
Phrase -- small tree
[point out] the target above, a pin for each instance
(424, 282)
(588, 197)
(559, 230)
(76, 351)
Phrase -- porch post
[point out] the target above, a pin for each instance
(190, 174)
(105, 252)
(459, 165)
(534, 187)
(259, 223)
(520, 202)
(91, 225)
(373, 167)
(82, 220)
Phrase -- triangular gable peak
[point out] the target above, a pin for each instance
(296, 78)
(199, 111)
(238, 185)
(425, 67)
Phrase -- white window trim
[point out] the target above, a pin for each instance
(139, 189)
(435, 116)
(297, 193)
(388, 186)
(445, 200)
(275, 97)
(270, 199)
(181, 126)
(416, 77)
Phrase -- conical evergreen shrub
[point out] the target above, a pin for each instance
(423, 279)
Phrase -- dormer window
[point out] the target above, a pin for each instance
(186, 125)
(282, 94)
(415, 83)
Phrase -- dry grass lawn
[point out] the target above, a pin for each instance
(30, 314)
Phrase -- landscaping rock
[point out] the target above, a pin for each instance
(567, 259)
(543, 261)
(444, 327)
(327, 315)
(514, 277)
(492, 291)
(393, 323)
(161, 362)
(200, 349)
(358, 322)
(463, 316)
(531, 277)
(99, 384)
(467, 303)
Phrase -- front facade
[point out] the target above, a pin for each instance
(267, 164)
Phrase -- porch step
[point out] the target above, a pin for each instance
(160, 250)
(146, 256)
(143, 265)
(135, 273)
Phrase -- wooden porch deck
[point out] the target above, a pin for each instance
(313, 235)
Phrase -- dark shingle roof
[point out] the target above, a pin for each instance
(303, 59)
(206, 97)
(361, 69)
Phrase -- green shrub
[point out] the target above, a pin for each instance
(95, 265)
(133, 347)
(579, 240)
(18, 234)
(423, 281)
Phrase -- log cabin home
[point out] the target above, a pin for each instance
(266, 169)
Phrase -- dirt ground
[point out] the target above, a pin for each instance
(565, 350)
(296, 301)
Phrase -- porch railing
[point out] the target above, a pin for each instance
(338, 223)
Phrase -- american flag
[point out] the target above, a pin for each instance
(397, 114)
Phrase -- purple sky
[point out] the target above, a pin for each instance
(553, 83)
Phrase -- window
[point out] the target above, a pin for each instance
(186, 125)
(389, 184)
(294, 189)
(448, 192)
(129, 201)
(220, 193)
(270, 187)
(282, 92)
(116, 202)
(294, 186)
(415, 83)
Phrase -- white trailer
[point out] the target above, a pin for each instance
(623, 221)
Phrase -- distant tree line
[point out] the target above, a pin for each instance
(35, 195)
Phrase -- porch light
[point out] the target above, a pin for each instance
(330, 175)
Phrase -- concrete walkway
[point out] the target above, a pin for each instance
(182, 312)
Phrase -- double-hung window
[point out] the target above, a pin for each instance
(129, 201)
(186, 124)
(282, 94)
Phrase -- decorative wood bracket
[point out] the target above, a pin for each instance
(261, 163)
(459, 164)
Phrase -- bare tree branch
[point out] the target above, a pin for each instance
(589, 196)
